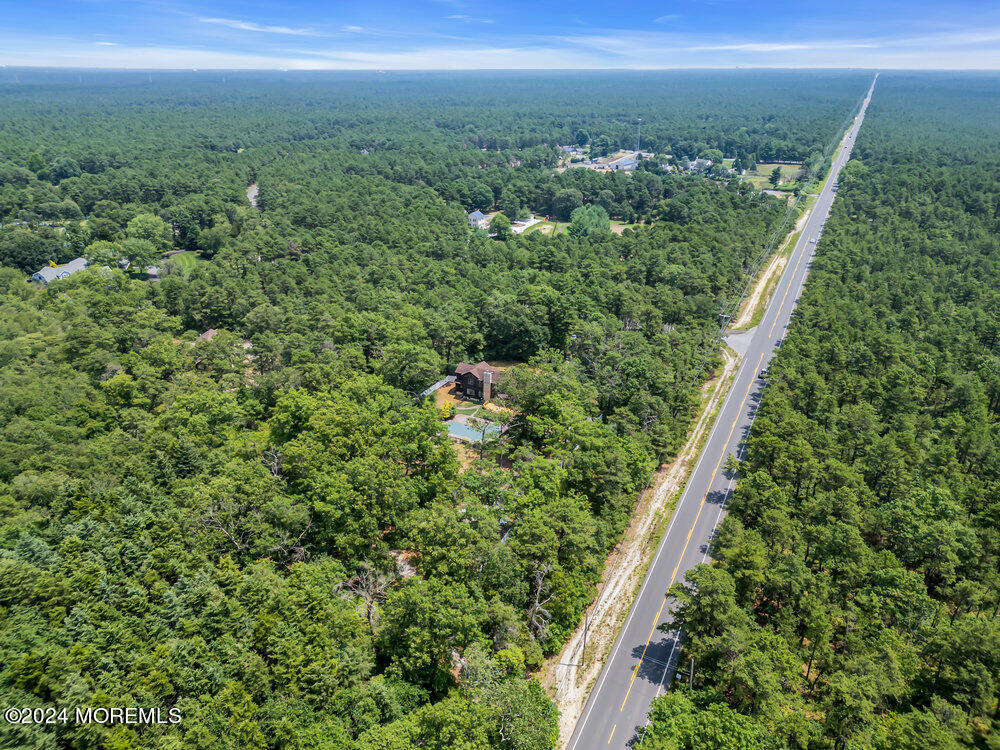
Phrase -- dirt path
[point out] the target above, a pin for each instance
(771, 271)
(626, 567)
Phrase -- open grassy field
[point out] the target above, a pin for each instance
(555, 227)
(185, 261)
(548, 227)
(760, 177)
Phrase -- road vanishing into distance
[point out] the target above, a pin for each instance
(644, 659)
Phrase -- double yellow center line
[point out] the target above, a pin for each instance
(687, 541)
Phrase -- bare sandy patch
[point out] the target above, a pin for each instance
(445, 396)
(772, 270)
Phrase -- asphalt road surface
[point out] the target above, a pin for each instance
(644, 659)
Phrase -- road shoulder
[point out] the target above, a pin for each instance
(625, 569)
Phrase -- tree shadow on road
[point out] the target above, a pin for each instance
(655, 661)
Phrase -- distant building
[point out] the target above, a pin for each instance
(699, 165)
(54, 273)
(479, 220)
(477, 382)
(623, 164)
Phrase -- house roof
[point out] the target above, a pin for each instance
(623, 160)
(477, 214)
(50, 273)
(478, 370)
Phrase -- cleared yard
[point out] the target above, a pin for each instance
(761, 176)
(548, 227)
(620, 226)
(555, 227)
(184, 261)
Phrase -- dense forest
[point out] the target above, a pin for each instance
(856, 596)
(218, 490)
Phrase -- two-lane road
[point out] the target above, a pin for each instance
(643, 658)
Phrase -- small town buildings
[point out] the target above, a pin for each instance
(477, 382)
(699, 165)
(479, 220)
(54, 273)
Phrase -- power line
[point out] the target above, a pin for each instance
(730, 306)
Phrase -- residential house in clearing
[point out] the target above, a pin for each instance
(477, 382)
(699, 165)
(54, 273)
(479, 220)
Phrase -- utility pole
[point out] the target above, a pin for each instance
(586, 625)
(691, 676)
(638, 134)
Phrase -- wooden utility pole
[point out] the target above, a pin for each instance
(586, 625)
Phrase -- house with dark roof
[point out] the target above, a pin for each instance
(477, 382)
(54, 273)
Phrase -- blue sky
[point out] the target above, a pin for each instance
(472, 34)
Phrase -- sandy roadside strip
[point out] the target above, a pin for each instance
(562, 675)
(771, 271)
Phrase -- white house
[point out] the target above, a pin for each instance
(53, 273)
(479, 220)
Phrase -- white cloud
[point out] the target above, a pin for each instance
(250, 26)
(668, 17)
(956, 49)
(779, 46)
(654, 49)
(353, 29)
(468, 19)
